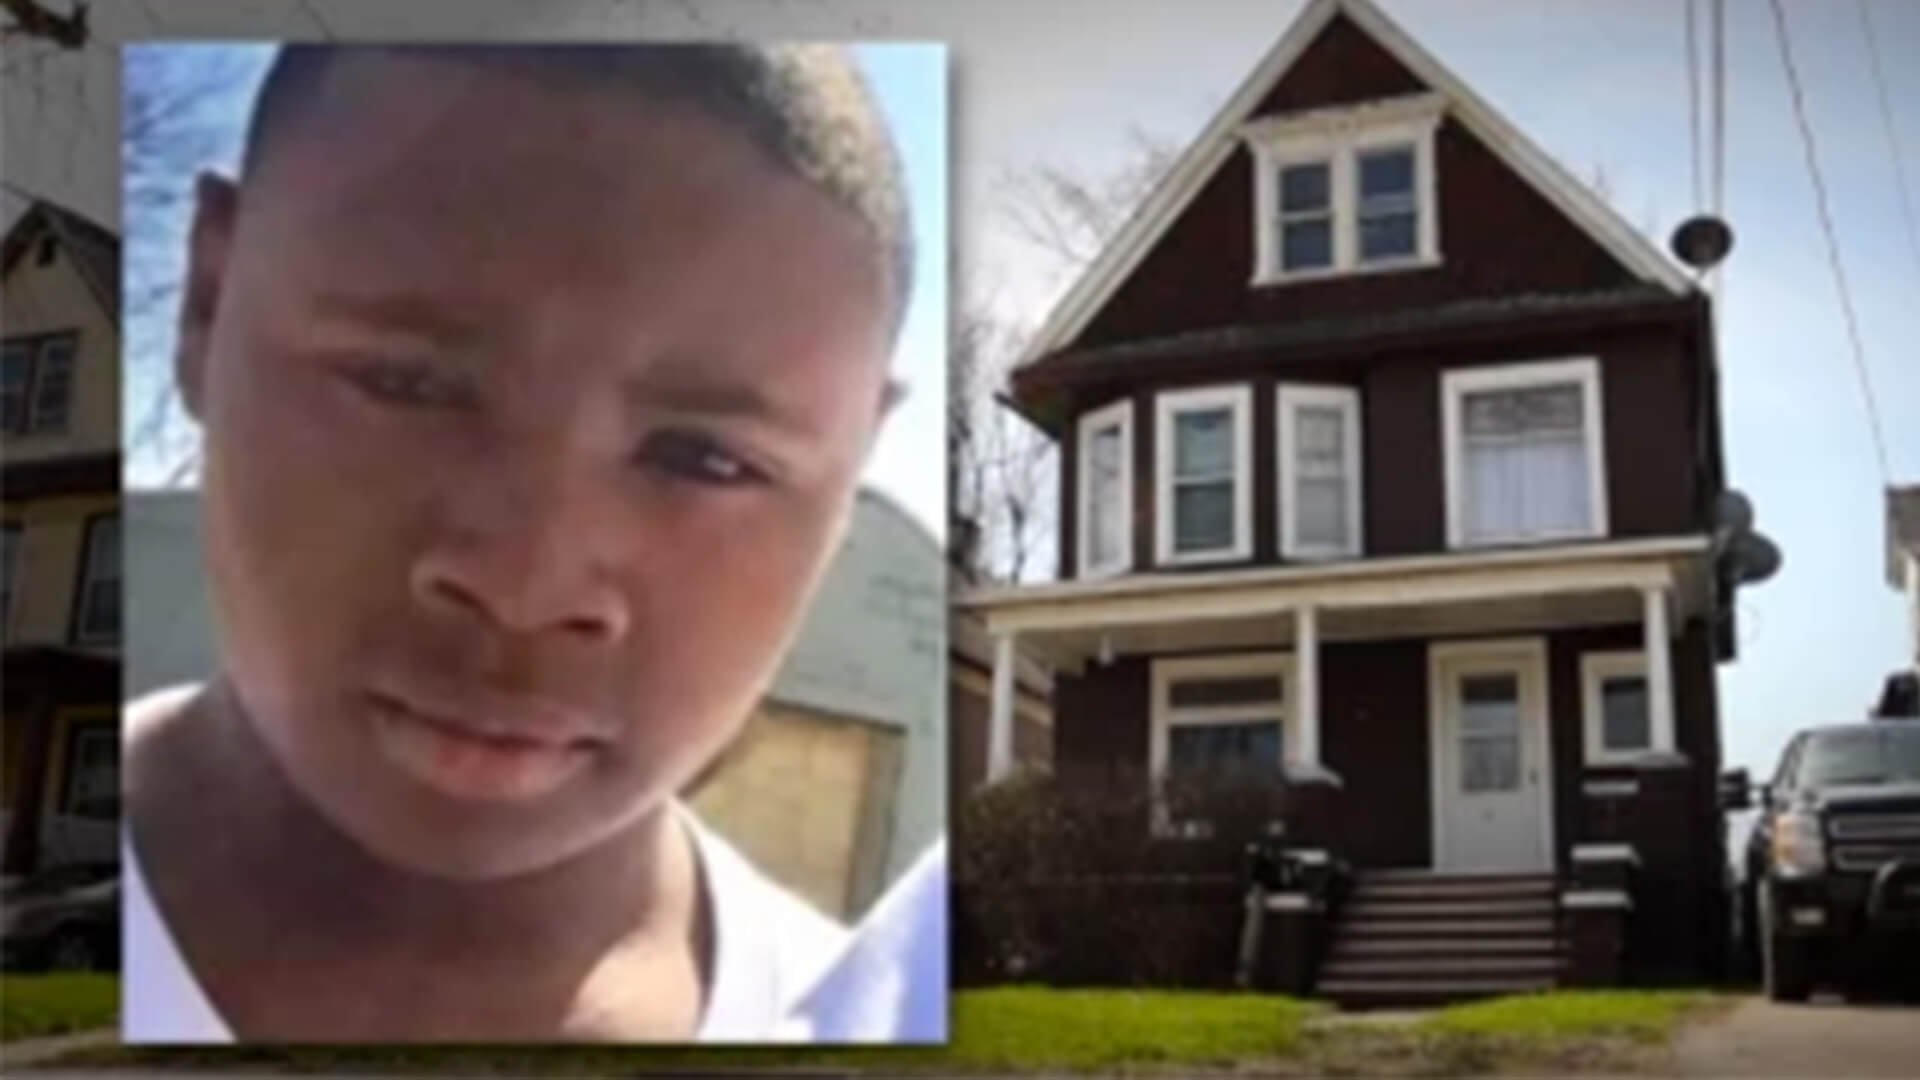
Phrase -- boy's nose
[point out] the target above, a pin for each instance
(527, 555)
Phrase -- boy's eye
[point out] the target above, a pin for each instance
(698, 458)
(409, 385)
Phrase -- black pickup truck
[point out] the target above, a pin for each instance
(1832, 868)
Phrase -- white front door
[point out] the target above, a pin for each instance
(1493, 809)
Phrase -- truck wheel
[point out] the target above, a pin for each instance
(1785, 969)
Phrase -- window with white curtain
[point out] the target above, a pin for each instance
(1525, 453)
(1106, 490)
(1204, 490)
(1319, 441)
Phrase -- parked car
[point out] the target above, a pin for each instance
(1832, 867)
(65, 918)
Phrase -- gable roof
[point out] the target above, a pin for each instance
(93, 248)
(1205, 155)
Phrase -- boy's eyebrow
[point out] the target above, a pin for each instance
(714, 399)
(409, 313)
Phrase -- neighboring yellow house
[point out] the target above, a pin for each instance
(1900, 697)
(60, 565)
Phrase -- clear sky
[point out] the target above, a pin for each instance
(1598, 83)
(909, 79)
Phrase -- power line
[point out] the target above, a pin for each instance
(314, 14)
(1833, 244)
(1693, 103)
(1893, 144)
(1719, 126)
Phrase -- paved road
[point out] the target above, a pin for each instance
(1825, 1038)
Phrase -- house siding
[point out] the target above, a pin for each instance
(1648, 388)
(1671, 819)
(1341, 66)
(1101, 718)
(1375, 733)
(55, 299)
(1498, 236)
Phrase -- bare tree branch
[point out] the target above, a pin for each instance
(1001, 468)
(313, 14)
(169, 133)
(1070, 217)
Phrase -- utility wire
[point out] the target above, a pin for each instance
(1719, 126)
(1693, 103)
(1717, 160)
(314, 14)
(1833, 245)
(1893, 144)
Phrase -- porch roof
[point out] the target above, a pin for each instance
(1378, 598)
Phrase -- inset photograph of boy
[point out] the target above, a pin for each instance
(536, 604)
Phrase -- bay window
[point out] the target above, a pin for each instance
(1105, 520)
(1204, 491)
(1319, 441)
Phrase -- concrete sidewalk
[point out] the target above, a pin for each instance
(31, 1052)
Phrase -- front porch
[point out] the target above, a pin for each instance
(1392, 757)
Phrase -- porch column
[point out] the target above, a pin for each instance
(1658, 643)
(1306, 677)
(1000, 716)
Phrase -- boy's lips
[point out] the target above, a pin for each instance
(483, 745)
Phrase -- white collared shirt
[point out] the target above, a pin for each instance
(889, 985)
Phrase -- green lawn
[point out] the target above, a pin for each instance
(1041, 1028)
(1023, 1028)
(35, 1005)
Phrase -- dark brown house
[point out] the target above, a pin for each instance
(1389, 455)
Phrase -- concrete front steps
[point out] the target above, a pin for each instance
(1412, 937)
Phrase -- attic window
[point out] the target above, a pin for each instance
(1345, 190)
(43, 251)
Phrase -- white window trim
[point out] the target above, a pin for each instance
(1595, 668)
(1337, 137)
(1164, 716)
(90, 576)
(1458, 383)
(1289, 397)
(1239, 398)
(83, 731)
(1121, 413)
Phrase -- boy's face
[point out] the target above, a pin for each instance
(531, 415)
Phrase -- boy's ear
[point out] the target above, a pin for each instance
(215, 202)
(892, 393)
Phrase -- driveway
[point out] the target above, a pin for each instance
(1825, 1038)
